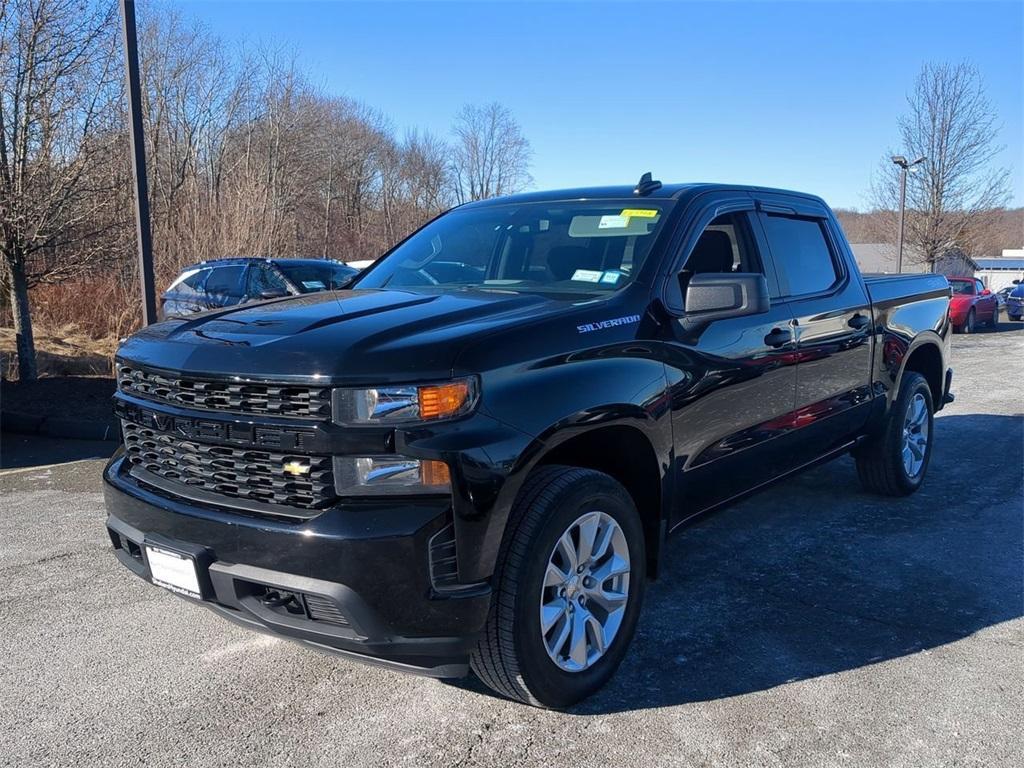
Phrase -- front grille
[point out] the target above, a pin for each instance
(236, 473)
(240, 397)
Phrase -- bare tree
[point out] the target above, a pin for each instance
(426, 174)
(245, 157)
(57, 83)
(951, 198)
(491, 156)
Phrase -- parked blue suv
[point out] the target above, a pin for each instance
(1015, 302)
(226, 282)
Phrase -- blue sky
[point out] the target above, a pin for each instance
(790, 94)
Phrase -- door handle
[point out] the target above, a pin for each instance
(859, 322)
(777, 337)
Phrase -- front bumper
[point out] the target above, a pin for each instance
(360, 575)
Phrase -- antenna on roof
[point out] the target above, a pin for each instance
(646, 185)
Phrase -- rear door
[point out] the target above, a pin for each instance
(833, 322)
(733, 380)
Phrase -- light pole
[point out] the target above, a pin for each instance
(138, 148)
(901, 161)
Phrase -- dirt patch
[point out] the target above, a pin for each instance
(63, 397)
(64, 351)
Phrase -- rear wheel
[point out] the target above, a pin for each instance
(894, 463)
(970, 322)
(568, 589)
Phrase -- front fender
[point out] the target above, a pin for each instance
(550, 404)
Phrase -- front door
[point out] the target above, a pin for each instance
(732, 381)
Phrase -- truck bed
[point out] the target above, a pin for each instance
(887, 290)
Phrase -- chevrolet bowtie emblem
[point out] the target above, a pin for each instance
(296, 468)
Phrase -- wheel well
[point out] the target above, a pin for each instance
(625, 454)
(927, 360)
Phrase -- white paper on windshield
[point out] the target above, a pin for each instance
(313, 285)
(613, 222)
(587, 275)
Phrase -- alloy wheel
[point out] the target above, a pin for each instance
(915, 436)
(585, 591)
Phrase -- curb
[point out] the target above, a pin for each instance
(72, 429)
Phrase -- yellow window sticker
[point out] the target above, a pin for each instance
(640, 213)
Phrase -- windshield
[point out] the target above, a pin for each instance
(962, 287)
(571, 248)
(309, 278)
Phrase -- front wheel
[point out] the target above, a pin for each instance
(568, 588)
(894, 462)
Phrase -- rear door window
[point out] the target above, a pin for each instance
(802, 256)
(225, 282)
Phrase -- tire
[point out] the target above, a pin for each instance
(994, 322)
(881, 463)
(969, 323)
(512, 655)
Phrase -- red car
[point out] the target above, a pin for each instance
(972, 303)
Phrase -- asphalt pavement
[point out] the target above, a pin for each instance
(813, 625)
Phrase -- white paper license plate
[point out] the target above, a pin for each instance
(173, 571)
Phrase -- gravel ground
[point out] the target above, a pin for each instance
(813, 625)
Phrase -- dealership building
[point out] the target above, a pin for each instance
(1001, 271)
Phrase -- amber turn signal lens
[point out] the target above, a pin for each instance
(437, 402)
(434, 473)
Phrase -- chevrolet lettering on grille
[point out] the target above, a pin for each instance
(256, 435)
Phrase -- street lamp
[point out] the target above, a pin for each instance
(138, 148)
(901, 161)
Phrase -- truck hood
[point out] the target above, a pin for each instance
(358, 336)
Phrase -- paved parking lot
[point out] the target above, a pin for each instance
(813, 625)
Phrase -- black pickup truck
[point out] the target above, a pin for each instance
(472, 456)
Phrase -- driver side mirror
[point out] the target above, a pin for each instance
(719, 295)
(986, 292)
(273, 294)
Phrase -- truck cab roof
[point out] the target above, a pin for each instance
(678, 191)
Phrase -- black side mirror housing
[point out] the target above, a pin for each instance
(273, 294)
(719, 295)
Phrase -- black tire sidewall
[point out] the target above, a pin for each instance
(546, 682)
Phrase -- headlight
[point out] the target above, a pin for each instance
(405, 404)
(372, 475)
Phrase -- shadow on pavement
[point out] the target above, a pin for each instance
(18, 451)
(816, 577)
(1004, 325)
